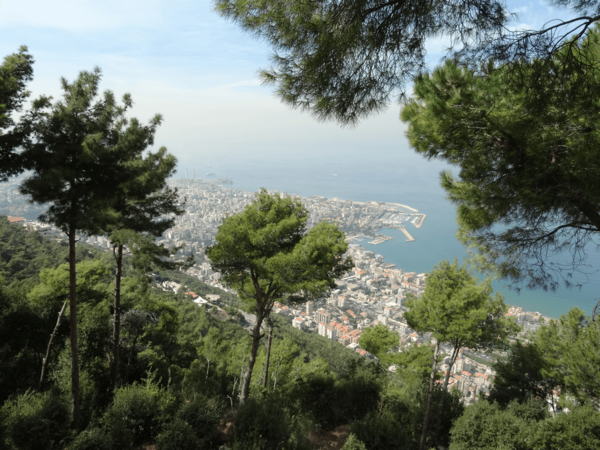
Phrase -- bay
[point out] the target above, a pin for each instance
(383, 174)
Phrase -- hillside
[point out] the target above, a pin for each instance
(179, 379)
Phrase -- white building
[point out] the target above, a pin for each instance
(298, 322)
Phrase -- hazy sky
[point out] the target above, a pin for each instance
(182, 60)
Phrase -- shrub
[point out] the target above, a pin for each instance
(486, 425)
(576, 430)
(353, 443)
(135, 415)
(261, 424)
(202, 416)
(316, 395)
(92, 439)
(379, 432)
(35, 421)
(177, 436)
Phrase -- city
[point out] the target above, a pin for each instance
(374, 293)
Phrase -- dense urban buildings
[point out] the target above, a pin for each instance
(373, 293)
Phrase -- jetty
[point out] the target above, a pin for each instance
(407, 234)
(380, 239)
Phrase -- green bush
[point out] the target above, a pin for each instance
(379, 432)
(576, 430)
(135, 415)
(177, 436)
(316, 395)
(35, 421)
(486, 425)
(353, 443)
(261, 424)
(92, 439)
(202, 416)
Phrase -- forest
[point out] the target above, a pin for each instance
(182, 364)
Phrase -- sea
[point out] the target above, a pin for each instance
(388, 175)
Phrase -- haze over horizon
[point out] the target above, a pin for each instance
(182, 60)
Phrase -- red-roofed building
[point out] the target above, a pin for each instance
(344, 339)
(298, 322)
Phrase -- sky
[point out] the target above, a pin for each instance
(180, 59)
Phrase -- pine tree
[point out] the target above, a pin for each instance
(457, 311)
(73, 157)
(527, 190)
(15, 72)
(144, 208)
(266, 254)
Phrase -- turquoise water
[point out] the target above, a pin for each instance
(384, 174)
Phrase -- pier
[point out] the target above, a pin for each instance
(381, 238)
(407, 234)
(418, 221)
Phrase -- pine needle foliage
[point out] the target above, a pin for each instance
(527, 191)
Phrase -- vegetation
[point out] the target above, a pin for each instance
(347, 59)
(16, 70)
(189, 376)
(266, 254)
(526, 190)
(459, 312)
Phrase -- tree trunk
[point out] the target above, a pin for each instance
(255, 343)
(429, 396)
(266, 374)
(45, 360)
(131, 350)
(75, 412)
(116, 337)
(445, 388)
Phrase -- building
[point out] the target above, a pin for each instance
(310, 307)
(332, 333)
(16, 220)
(298, 322)
(322, 329)
(344, 339)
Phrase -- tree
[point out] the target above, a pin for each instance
(72, 157)
(378, 340)
(15, 72)
(266, 254)
(143, 208)
(54, 291)
(527, 190)
(458, 311)
(561, 357)
(346, 59)
(521, 375)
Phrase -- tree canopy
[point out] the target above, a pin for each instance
(456, 310)
(266, 254)
(346, 59)
(378, 340)
(15, 71)
(561, 356)
(527, 190)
